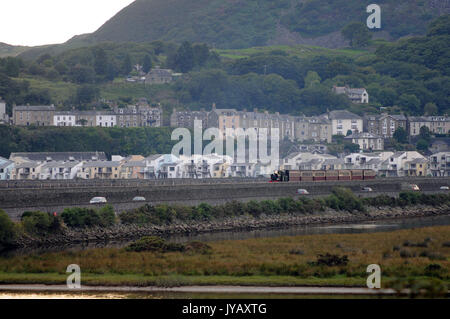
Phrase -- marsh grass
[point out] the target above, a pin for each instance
(252, 261)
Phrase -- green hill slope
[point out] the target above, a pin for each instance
(247, 23)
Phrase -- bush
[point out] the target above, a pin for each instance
(151, 243)
(7, 230)
(197, 247)
(39, 223)
(331, 260)
(88, 217)
(107, 216)
(158, 244)
(344, 199)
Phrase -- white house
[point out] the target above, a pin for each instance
(4, 118)
(26, 171)
(64, 119)
(343, 121)
(440, 164)
(6, 167)
(106, 120)
(60, 170)
(398, 164)
(305, 161)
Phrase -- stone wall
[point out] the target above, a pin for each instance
(17, 200)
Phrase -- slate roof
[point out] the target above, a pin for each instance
(61, 156)
(101, 164)
(344, 115)
(34, 108)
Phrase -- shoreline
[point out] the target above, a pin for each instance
(122, 233)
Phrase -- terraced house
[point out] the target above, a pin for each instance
(440, 164)
(100, 170)
(39, 115)
(436, 124)
(343, 121)
(6, 168)
(384, 125)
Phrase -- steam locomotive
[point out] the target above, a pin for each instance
(316, 175)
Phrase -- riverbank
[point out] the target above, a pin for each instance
(121, 232)
(418, 256)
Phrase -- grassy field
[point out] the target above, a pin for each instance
(287, 261)
(300, 51)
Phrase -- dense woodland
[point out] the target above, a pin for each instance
(113, 141)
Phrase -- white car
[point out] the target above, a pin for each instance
(367, 189)
(414, 187)
(444, 188)
(302, 192)
(98, 200)
(139, 199)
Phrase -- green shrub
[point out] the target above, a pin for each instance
(151, 243)
(88, 217)
(331, 260)
(7, 230)
(40, 223)
(107, 216)
(158, 244)
(346, 200)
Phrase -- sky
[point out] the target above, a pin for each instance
(38, 22)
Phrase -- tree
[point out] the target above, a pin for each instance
(7, 230)
(201, 54)
(127, 67)
(351, 147)
(430, 109)
(100, 62)
(410, 103)
(400, 135)
(147, 64)
(312, 79)
(425, 134)
(349, 132)
(82, 74)
(86, 94)
(184, 58)
(422, 145)
(357, 33)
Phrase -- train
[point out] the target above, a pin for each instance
(318, 175)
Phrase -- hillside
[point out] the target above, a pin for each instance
(247, 23)
(11, 50)
(410, 76)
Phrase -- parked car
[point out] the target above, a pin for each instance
(98, 200)
(302, 192)
(445, 188)
(139, 199)
(367, 189)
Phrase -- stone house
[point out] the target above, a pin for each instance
(159, 76)
(356, 95)
(39, 115)
(384, 125)
(367, 141)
